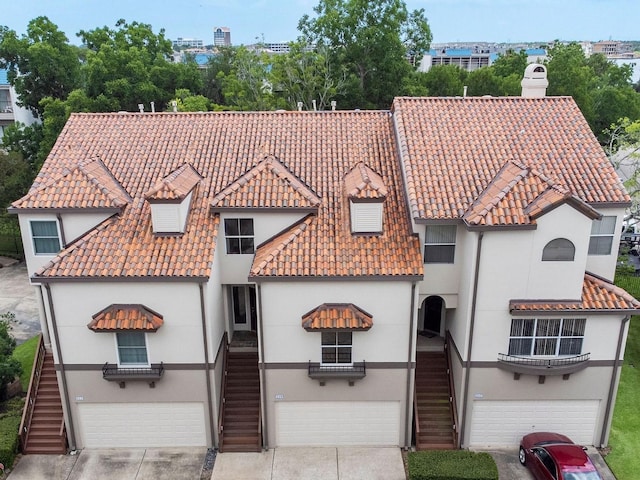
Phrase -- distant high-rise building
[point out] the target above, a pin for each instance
(221, 36)
(188, 42)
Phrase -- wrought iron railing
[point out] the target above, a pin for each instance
(543, 366)
(113, 373)
(350, 372)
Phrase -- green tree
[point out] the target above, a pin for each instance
(246, 87)
(41, 63)
(186, 102)
(510, 63)
(218, 67)
(9, 367)
(484, 81)
(15, 178)
(445, 81)
(304, 75)
(372, 41)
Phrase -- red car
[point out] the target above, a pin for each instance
(551, 456)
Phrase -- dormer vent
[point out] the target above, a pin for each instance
(366, 192)
(534, 83)
(170, 200)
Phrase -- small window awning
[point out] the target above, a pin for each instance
(337, 316)
(119, 317)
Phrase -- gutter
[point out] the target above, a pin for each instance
(467, 366)
(205, 343)
(407, 421)
(63, 376)
(614, 375)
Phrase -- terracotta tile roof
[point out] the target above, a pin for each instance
(267, 185)
(452, 148)
(126, 317)
(317, 148)
(362, 182)
(337, 316)
(176, 185)
(598, 296)
(516, 196)
(85, 185)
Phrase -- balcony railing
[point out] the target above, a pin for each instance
(113, 373)
(347, 372)
(543, 366)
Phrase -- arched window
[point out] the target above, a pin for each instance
(559, 250)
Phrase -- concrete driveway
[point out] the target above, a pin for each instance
(115, 464)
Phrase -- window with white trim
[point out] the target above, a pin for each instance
(46, 238)
(440, 244)
(336, 348)
(559, 250)
(239, 235)
(601, 239)
(549, 337)
(132, 348)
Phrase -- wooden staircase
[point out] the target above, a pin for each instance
(240, 425)
(433, 406)
(45, 432)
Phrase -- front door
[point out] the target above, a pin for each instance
(432, 308)
(243, 307)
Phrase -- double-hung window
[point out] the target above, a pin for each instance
(601, 239)
(46, 238)
(440, 244)
(239, 235)
(552, 337)
(132, 349)
(336, 348)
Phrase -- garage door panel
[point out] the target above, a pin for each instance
(337, 423)
(500, 423)
(142, 424)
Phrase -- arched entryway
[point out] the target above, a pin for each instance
(432, 314)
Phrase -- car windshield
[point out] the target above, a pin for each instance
(580, 475)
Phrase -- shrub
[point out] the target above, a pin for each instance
(9, 426)
(451, 465)
(9, 367)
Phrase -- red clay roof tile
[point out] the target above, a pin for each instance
(337, 316)
(362, 182)
(176, 185)
(117, 317)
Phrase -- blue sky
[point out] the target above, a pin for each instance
(277, 20)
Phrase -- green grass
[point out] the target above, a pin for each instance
(624, 440)
(25, 353)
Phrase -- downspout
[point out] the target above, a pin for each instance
(407, 421)
(205, 343)
(63, 238)
(614, 375)
(472, 322)
(263, 393)
(44, 326)
(63, 376)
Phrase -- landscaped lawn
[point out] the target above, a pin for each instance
(625, 430)
(25, 353)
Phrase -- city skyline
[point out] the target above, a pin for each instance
(499, 21)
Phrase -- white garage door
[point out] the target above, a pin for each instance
(337, 423)
(500, 423)
(142, 424)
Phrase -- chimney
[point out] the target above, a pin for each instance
(535, 83)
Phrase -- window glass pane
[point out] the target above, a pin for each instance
(131, 348)
(246, 245)
(329, 355)
(548, 328)
(545, 346)
(44, 229)
(439, 253)
(246, 226)
(521, 327)
(441, 234)
(233, 245)
(520, 346)
(600, 245)
(604, 226)
(130, 339)
(573, 327)
(559, 249)
(46, 245)
(344, 355)
(570, 346)
(344, 338)
(231, 226)
(328, 338)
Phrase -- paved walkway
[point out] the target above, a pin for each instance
(17, 295)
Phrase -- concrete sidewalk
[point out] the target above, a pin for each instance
(312, 463)
(114, 464)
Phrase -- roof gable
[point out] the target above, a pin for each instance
(176, 185)
(88, 185)
(337, 316)
(363, 183)
(117, 317)
(269, 184)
